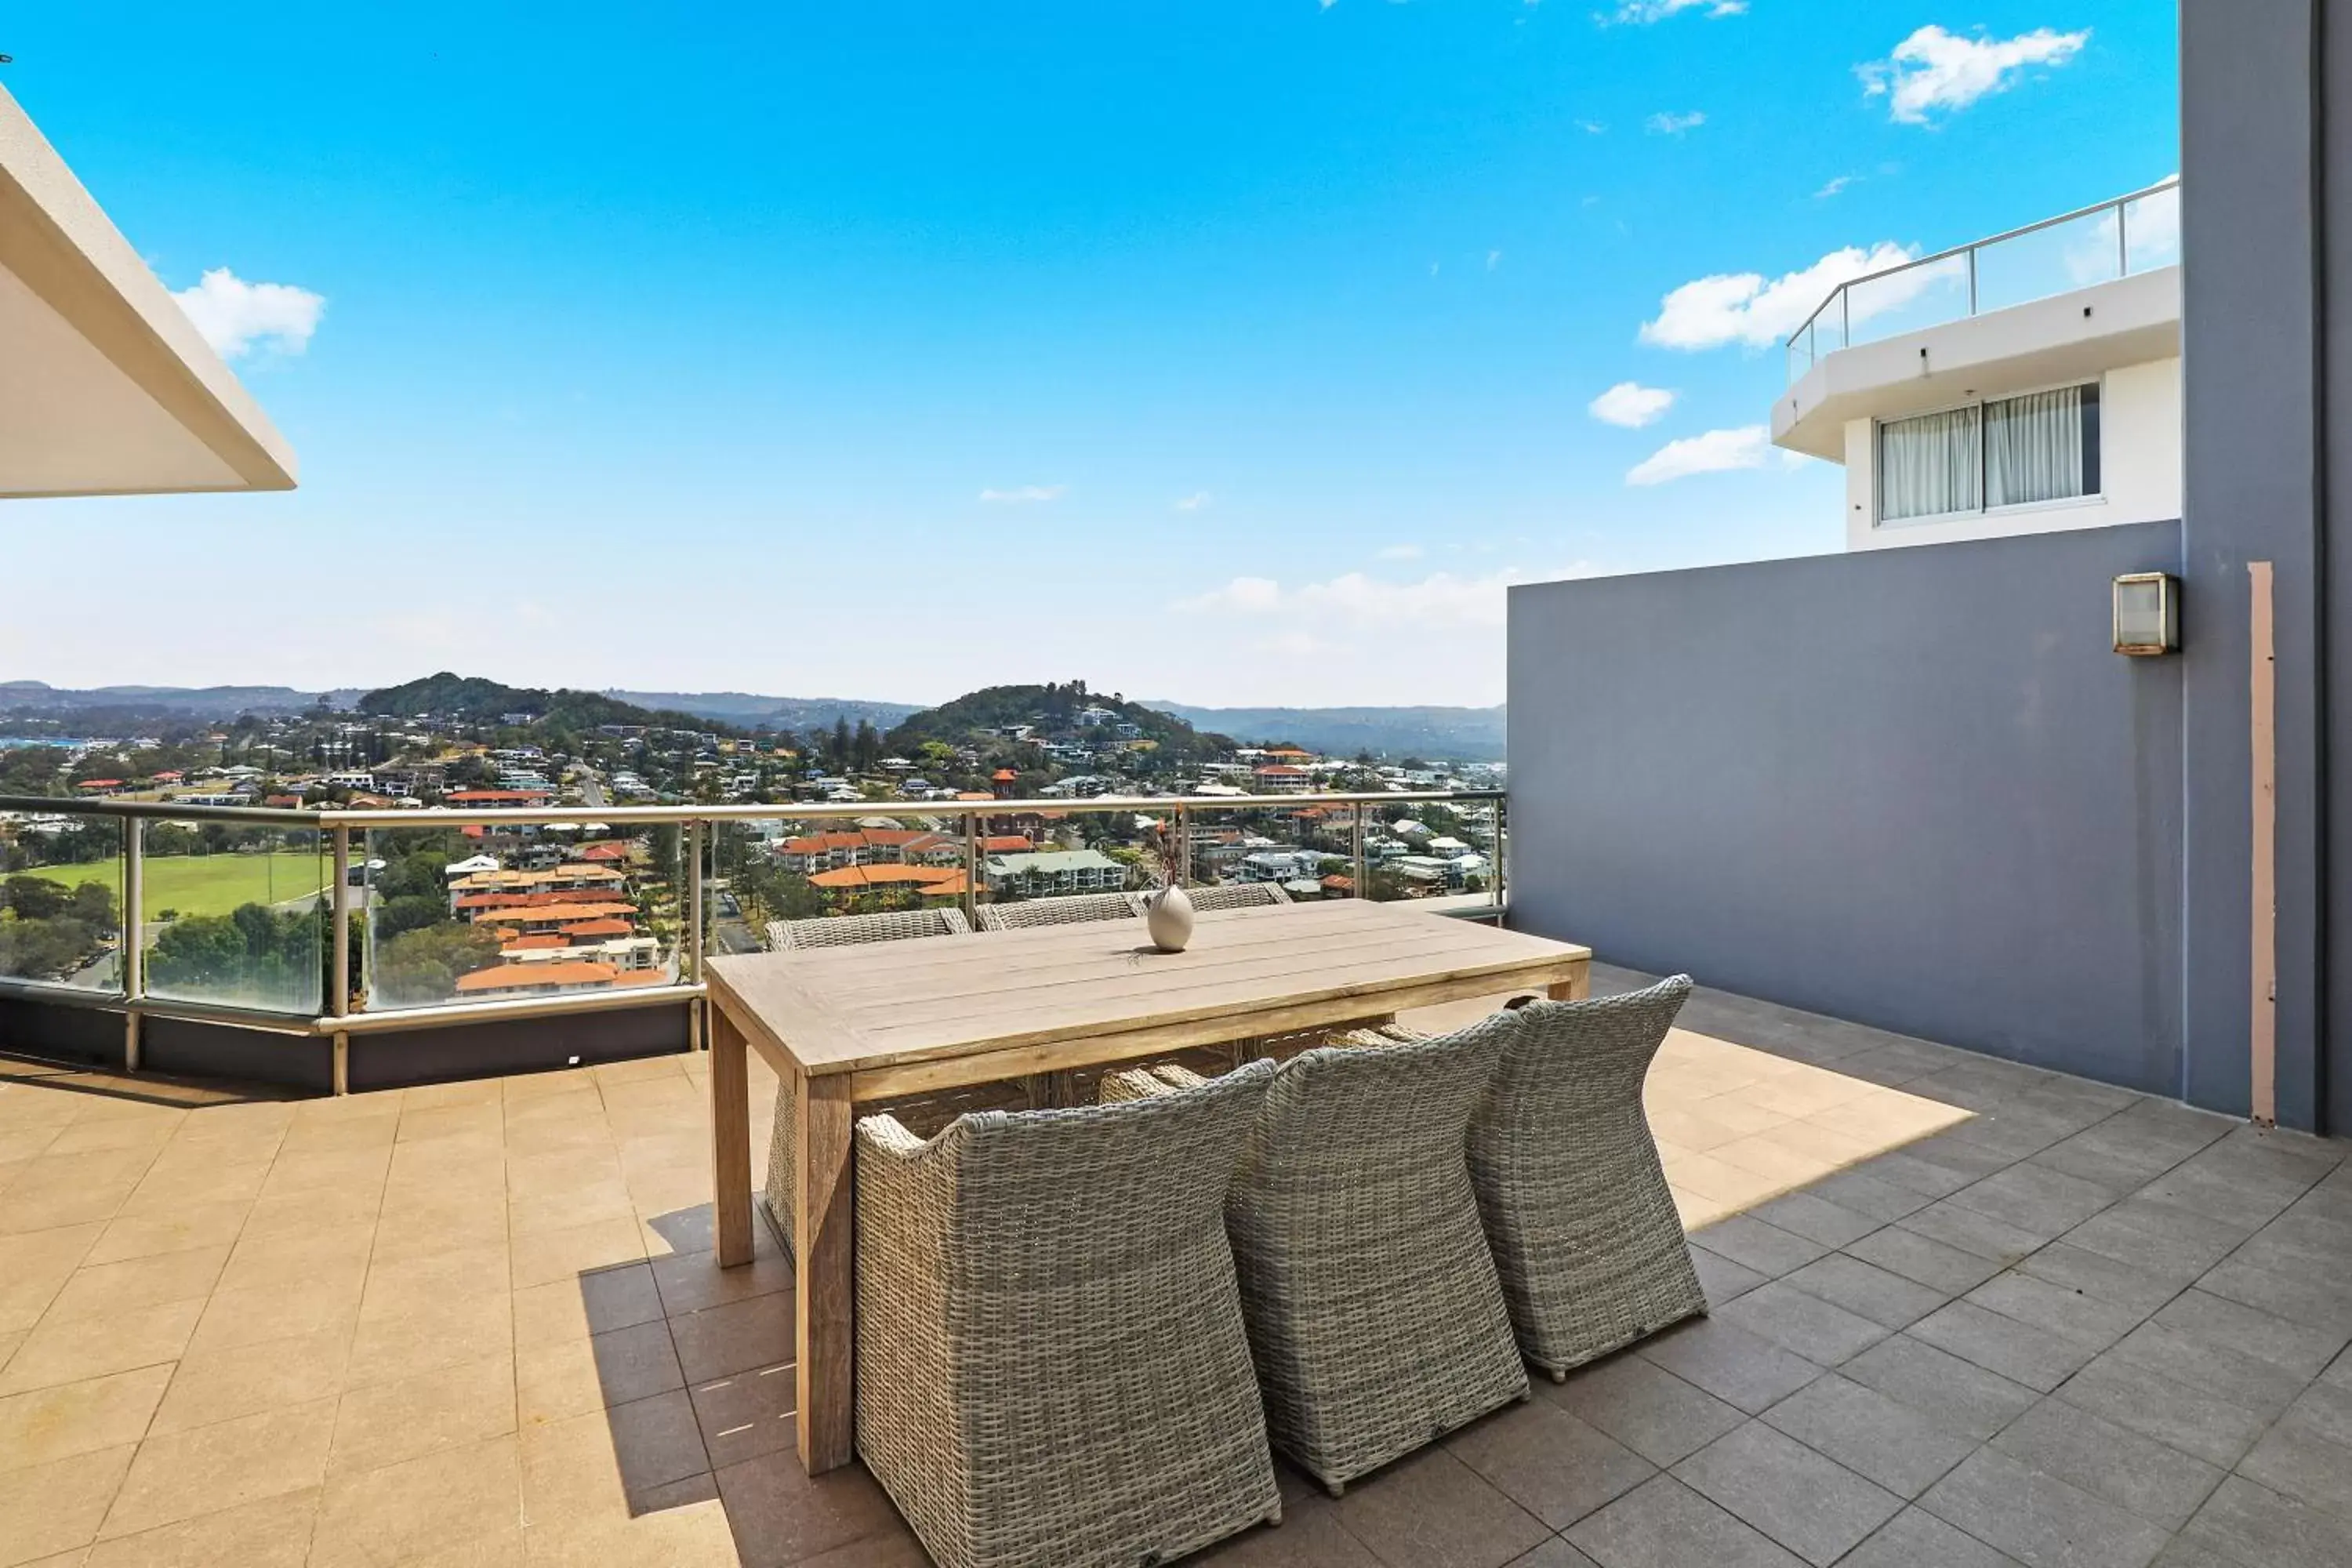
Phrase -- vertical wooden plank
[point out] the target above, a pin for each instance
(731, 1140)
(825, 1275)
(2262, 677)
(1575, 988)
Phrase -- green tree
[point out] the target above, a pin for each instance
(422, 966)
(35, 898)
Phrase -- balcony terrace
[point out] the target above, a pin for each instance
(1964, 1313)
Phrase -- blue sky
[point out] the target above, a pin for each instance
(1230, 352)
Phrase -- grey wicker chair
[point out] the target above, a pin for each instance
(1374, 1311)
(1236, 895)
(1073, 909)
(1051, 1362)
(849, 931)
(1575, 1204)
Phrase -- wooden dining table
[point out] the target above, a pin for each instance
(848, 1026)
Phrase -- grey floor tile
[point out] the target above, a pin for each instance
(2040, 1520)
(2037, 1199)
(2229, 1191)
(1954, 1394)
(2303, 1296)
(1865, 1194)
(1815, 1218)
(2301, 1350)
(1954, 1224)
(1555, 1554)
(2160, 1484)
(1924, 1261)
(2019, 1351)
(1753, 1244)
(1736, 1366)
(1814, 1507)
(2262, 1529)
(1549, 1462)
(1917, 1538)
(2134, 1396)
(1432, 1510)
(2017, 1130)
(1644, 1406)
(1721, 1277)
(1865, 1288)
(2300, 1459)
(2327, 1408)
(1665, 1524)
(2258, 1385)
(2116, 1158)
(2062, 1310)
(2157, 1238)
(2184, 1552)
(1309, 1536)
(1795, 1320)
(1934, 1167)
(1879, 1439)
(2102, 1279)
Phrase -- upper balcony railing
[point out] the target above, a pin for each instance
(2136, 233)
(334, 922)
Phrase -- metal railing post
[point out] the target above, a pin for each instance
(2123, 243)
(1845, 317)
(1972, 281)
(1184, 848)
(1363, 883)
(339, 969)
(1502, 829)
(971, 868)
(134, 938)
(694, 899)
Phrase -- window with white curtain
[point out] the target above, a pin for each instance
(2014, 451)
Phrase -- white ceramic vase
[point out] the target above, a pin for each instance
(1168, 916)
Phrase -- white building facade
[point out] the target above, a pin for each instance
(2010, 411)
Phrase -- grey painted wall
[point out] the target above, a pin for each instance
(2251, 335)
(1915, 788)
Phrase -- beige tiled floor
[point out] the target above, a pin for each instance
(478, 1323)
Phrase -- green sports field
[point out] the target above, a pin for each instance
(206, 884)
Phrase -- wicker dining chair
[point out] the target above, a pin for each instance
(1076, 908)
(1051, 1362)
(852, 930)
(1374, 1312)
(1575, 1203)
(1236, 895)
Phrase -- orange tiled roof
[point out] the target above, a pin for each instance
(486, 796)
(536, 944)
(564, 911)
(602, 926)
(880, 876)
(511, 976)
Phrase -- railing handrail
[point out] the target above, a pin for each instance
(2115, 203)
(323, 818)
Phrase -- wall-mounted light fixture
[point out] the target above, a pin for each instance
(2147, 614)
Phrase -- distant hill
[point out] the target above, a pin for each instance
(980, 715)
(800, 714)
(1463, 734)
(482, 702)
(199, 702)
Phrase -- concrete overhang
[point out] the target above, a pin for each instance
(106, 388)
(2077, 335)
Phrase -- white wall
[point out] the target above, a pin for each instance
(2139, 469)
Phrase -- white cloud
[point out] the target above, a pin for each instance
(1631, 405)
(1673, 125)
(1749, 309)
(2151, 232)
(1195, 501)
(1836, 185)
(1934, 70)
(236, 317)
(1440, 601)
(1593, 128)
(1023, 494)
(1401, 552)
(1641, 13)
(1749, 447)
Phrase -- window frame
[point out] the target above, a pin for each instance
(1878, 518)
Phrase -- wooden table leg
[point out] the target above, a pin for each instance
(731, 1140)
(1575, 988)
(825, 1275)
